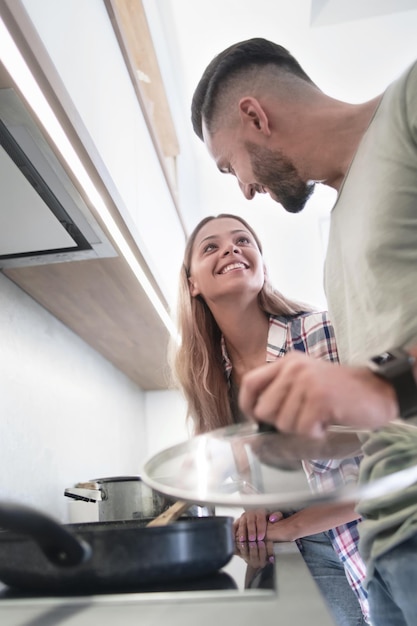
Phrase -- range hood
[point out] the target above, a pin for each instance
(43, 218)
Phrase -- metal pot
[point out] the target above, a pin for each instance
(127, 497)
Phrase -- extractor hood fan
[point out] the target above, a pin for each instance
(43, 218)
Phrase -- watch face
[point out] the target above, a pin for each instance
(392, 363)
(396, 366)
(383, 358)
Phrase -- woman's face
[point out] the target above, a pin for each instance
(225, 261)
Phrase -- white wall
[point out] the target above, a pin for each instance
(66, 414)
(165, 417)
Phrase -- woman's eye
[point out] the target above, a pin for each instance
(243, 240)
(209, 247)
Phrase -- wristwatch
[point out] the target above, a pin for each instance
(396, 366)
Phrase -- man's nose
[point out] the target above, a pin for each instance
(247, 190)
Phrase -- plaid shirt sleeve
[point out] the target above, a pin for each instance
(313, 334)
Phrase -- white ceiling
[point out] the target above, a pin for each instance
(352, 49)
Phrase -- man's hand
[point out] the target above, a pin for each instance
(300, 394)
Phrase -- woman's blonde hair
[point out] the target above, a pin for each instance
(197, 363)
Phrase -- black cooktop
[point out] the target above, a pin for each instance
(237, 576)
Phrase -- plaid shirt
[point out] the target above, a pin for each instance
(313, 334)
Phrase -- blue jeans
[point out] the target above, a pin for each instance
(330, 577)
(392, 590)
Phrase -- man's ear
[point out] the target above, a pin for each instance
(194, 290)
(253, 114)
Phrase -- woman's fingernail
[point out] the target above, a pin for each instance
(273, 518)
(252, 538)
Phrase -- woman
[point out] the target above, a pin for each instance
(232, 320)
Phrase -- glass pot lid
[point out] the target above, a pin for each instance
(245, 466)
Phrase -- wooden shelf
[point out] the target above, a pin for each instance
(103, 303)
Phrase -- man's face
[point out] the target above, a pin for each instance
(278, 176)
(258, 169)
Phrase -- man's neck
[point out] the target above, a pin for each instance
(356, 128)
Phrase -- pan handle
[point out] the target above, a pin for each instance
(59, 546)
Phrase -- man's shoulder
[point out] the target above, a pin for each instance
(406, 83)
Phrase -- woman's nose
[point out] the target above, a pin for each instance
(230, 248)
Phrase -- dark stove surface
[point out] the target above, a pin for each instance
(237, 576)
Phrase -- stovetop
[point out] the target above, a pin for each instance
(238, 594)
(237, 577)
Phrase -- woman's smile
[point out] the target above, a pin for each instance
(238, 265)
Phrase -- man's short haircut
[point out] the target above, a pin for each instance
(237, 59)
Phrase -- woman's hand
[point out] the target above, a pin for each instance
(259, 525)
(252, 525)
(256, 554)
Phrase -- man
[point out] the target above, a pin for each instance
(264, 121)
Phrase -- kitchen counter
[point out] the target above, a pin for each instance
(293, 598)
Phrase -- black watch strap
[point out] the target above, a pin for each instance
(396, 366)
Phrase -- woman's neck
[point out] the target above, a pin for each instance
(245, 334)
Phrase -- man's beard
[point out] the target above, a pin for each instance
(273, 171)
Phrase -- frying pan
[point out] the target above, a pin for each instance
(38, 554)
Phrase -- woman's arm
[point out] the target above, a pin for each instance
(257, 525)
(313, 519)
